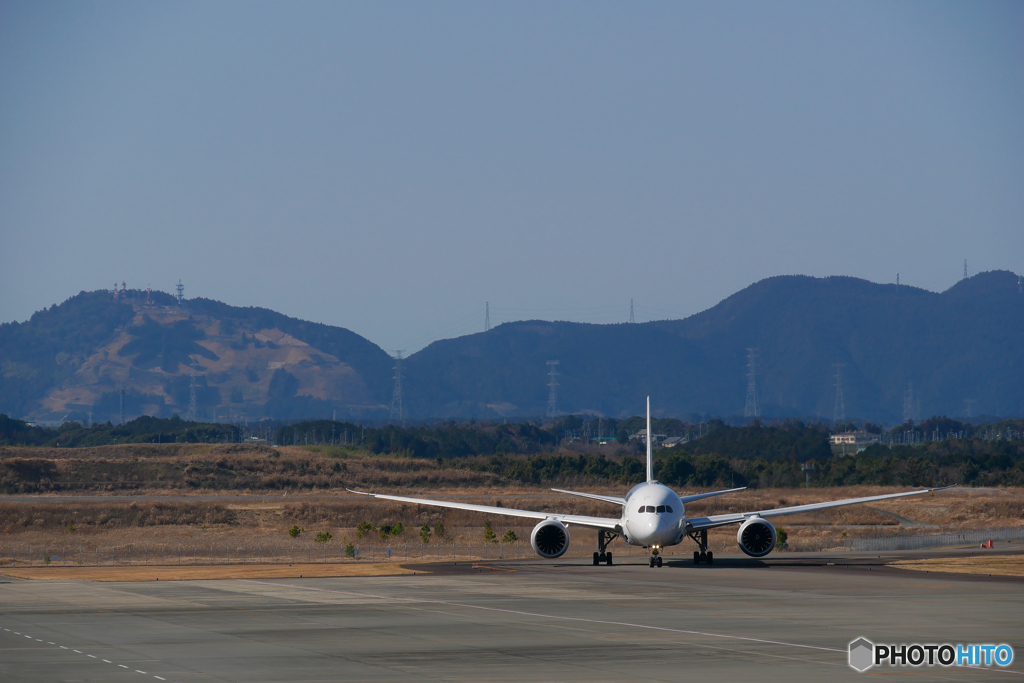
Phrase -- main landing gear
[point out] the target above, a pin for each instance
(603, 555)
(702, 555)
(655, 557)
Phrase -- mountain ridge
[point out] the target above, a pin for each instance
(903, 350)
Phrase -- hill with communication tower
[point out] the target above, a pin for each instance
(831, 348)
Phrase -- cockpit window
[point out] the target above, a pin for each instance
(649, 508)
(668, 508)
(661, 508)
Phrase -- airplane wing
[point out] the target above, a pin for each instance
(697, 523)
(578, 520)
(608, 499)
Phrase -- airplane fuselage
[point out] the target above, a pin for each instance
(653, 516)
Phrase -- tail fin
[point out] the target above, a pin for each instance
(650, 441)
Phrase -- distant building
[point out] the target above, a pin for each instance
(642, 436)
(859, 439)
(673, 441)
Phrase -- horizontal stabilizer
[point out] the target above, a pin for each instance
(608, 499)
(698, 496)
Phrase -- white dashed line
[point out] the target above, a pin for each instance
(39, 640)
(49, 643)
(107, 661)
(78, 651)
(159, 679)
(93, 656)
(62, 647)
(139, 672)
(122, 666)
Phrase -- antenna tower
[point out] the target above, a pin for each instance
(181, 293)
(121, 392)
(552, 388)
(397, 409)
(965, 269)
(192, 391)
(751, 409)
(908, 403)
(631, 318)
(487, 316)
(839, 411)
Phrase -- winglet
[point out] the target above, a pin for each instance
(650, 451)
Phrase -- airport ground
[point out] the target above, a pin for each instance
(788, 618)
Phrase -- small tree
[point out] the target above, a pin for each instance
(72, 528)
(440, 532)
(489, 536)
(350, 550)
(425, 533)
(323, 536)
(364, 528)
(781, 537)
(295, 531)
(510, 537)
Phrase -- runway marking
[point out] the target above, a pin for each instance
(583, 619)
(106, 661)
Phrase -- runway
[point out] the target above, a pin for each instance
(518, 621)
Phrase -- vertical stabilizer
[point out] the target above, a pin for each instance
(650, 441)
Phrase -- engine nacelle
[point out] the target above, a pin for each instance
(756, 537)
(550, 539)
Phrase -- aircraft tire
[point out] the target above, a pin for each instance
(696, 557)
(652, 563)
(659, 561)
(608, 559)
(711, 557)
(597, 559)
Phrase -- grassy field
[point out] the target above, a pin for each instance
(228, 494)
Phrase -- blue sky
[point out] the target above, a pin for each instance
(391, 167)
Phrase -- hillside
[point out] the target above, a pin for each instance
(964, 343)
(900, 348)
(69, 361)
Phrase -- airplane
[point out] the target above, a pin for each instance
(653, 517)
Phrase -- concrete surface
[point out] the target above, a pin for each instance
(778, 620)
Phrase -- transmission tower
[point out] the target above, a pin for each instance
(631, 318)
(397, 409)
(192, 390)
(121, 392)
(839, 411)
(965, 269)
(552, 388)
(487, 316)
(969, 407)
(181, 293)
(751, 409)
(908, 403)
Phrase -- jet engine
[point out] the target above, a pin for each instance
(550, 539)
(756, 537)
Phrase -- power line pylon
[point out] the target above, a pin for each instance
(632, 319)
(192, 391)
(839, 410)
(751, 408)
(397, 408)
(121, 393)
(552, 388)
(487, 316)
(181, 293)
(965, 269)
(908, 403)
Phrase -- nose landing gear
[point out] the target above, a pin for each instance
(655, 556)
(603, 555)
(702, 555)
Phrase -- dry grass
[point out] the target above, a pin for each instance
(206, 573)
(996, 565)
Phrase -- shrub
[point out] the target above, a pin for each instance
(295, 531)
(364, 528)
(510, 537)
(323, 536)
(350, 549)
(425, 533)
(489, 536)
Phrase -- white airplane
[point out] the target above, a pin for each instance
(653, 517)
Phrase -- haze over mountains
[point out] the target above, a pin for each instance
(901, 349)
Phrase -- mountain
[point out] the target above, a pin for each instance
(896, 344)
(70, 361)
(898, 350)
